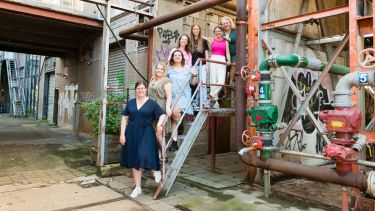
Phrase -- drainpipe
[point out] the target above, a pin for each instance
(173, 15)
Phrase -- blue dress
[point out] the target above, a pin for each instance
(140, 149)
(178, 79)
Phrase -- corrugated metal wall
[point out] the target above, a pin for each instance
(116, 65)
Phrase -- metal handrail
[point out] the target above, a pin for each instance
(200, 87)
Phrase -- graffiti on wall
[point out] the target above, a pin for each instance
(167, 35)
(163, 52)
(295, 141)
(168, 38)
(304, 81)
(67, 99)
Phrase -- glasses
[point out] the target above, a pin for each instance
(141, 88)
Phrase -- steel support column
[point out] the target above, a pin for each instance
(240, 97)
(196, 7)
(252, 59)
(103, 112)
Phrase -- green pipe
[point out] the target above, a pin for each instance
(293, 60)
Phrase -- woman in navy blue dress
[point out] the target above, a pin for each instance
(138, 136)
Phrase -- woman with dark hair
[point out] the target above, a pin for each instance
(220, 52)
(184, 46)
(138, 136)
(178, 72)
(199, 51)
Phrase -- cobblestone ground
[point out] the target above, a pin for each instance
(37, 153)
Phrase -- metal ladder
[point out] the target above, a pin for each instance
(182, 153)
(15, 94)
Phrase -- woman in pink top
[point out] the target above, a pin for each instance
(220, 52)
(184, 46)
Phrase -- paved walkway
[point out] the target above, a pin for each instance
(46, 168)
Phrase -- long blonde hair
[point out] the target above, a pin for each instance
(200, 39)
(164, 67)
(232, 26)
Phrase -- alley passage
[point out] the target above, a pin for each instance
(37, 152)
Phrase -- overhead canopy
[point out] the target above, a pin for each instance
(33, 30)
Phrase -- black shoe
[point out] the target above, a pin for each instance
(180, 129)
(173, 147)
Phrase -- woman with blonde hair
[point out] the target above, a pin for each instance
(199, 51)
(160, 90)
(229, 32)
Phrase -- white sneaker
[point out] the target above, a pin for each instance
(136, 192)
(157, 176)
(216, 105)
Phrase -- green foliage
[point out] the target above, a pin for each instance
(114, 111)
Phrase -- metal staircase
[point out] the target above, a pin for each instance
(17, 107)
(182, 153)
(169, 177)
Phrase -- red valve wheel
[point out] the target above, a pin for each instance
(369, 61)
(245, 73)
(246, 138)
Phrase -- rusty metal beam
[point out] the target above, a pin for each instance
(49, 14)
(365, 25)
(306, 17)
(119, 7)
(322, 174)
(196, 7)
(252, 56)
(138, 37)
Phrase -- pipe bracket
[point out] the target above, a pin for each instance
(239, 22)
(313, 64)
(272, 61)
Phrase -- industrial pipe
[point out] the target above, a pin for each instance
(293, 60)
(138, 37)
(343, 90)
(240, 95)
(196, 7)
(322, 174)
(361, 141)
